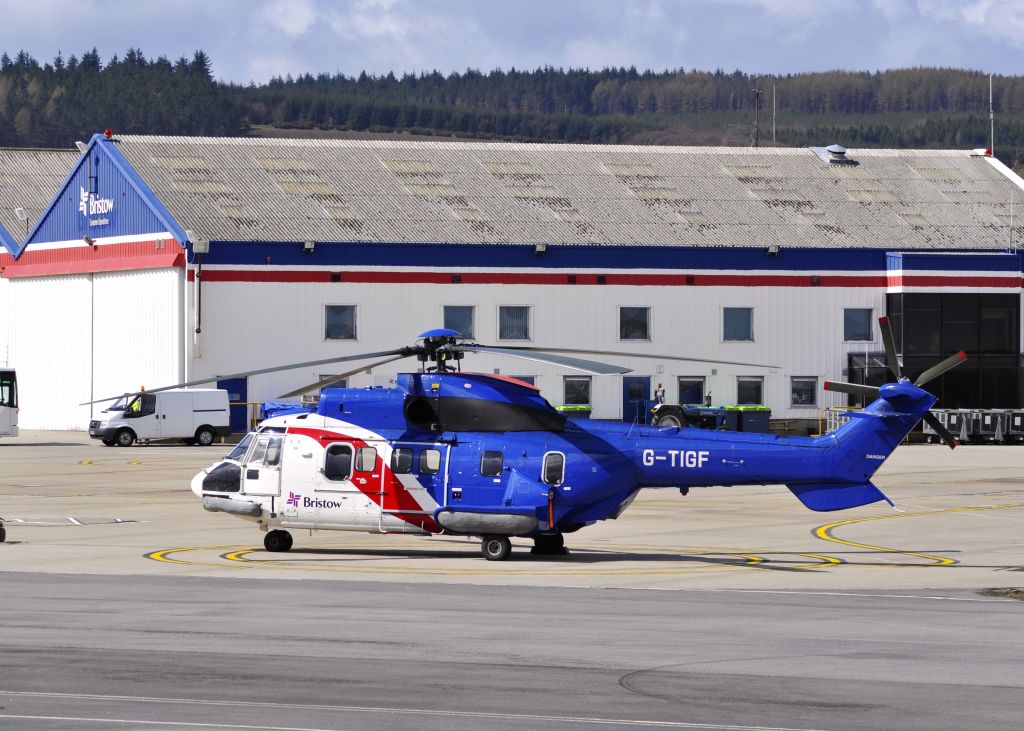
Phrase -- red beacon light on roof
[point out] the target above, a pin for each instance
(108, 133)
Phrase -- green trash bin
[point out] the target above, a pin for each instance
(754, 418)
(576, 412)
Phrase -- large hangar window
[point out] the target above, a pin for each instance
(339, 322)
(738, 324)
(460, 318)
(691, 390)
(857, 324)
(749, 390)
(577, 390)
(634, 323)
(513, 322)
(803, 391)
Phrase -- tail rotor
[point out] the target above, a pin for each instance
(893, 365)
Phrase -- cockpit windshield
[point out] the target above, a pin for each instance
(241, 448)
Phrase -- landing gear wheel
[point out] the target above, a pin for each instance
(277, 541)
(549, 545)
(3, 535)
(204, 436)
(669, 420)
(125, 438)
(496, 548)
(108, 442)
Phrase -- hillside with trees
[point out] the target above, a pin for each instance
(52, 104)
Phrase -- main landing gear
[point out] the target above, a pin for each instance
(277, 541)
(549, 545)
(498, 548)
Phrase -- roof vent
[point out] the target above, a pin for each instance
(834, 155)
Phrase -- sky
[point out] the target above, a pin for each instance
(254, 40)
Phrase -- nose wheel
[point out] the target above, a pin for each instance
(496, 548)
(277, 541)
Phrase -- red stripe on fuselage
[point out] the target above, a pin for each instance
(394, 497)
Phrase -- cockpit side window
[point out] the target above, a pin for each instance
(338, 462)
(241, 448)
(267, 451)
(553, 472)
(490, 463)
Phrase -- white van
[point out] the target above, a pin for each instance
(195, 416)
(8, 402)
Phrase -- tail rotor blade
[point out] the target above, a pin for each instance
(856, 389)
(890, 347)
(944, 434)
(937, 370)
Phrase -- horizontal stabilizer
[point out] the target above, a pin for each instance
(826, 496)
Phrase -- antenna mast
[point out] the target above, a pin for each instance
(757, 127)
(991, 120)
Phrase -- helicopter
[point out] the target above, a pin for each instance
(481, 455)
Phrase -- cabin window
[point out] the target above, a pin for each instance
(634, 323)
(401, 461)
(338, 463)
(490, 463)
(460, 319)
(430, 462)
(339, 322)
(267, 451)
(738, 324)
(857, 325)
(366, 459)
(554, 468)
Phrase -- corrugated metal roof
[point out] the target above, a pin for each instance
(455, 192)
(29, 179)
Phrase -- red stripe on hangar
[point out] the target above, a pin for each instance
(125, 256)
(656, 280)
(393, 496)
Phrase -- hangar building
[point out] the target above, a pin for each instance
(164, 259)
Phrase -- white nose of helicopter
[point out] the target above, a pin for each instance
(197, 483)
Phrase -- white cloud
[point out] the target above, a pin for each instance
(294, 17)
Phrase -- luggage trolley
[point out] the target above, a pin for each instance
(931, 436)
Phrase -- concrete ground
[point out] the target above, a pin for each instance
(124, 605)
(73, 505)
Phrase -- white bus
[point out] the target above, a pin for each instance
(8, 403)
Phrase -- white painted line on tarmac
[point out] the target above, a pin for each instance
(795, 593)
(592, 721)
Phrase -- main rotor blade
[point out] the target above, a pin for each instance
(274, 369)
(579, 364)
(328, 382)
(856, 389)
(627, 355)
(943, 432)
(938, 369)
(890, 347)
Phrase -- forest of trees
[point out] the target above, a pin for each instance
(52, 104)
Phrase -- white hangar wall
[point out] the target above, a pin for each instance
(85, 336)
(251, 325)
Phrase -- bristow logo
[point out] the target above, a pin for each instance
(293, 499)
(90, 205)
